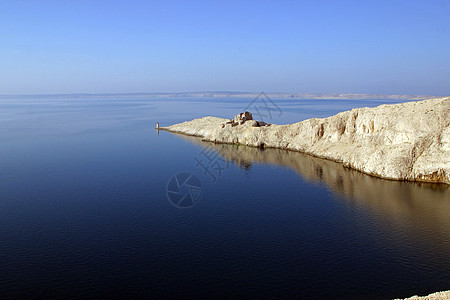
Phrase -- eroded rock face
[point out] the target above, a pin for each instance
(407, 141)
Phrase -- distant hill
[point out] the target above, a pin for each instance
(216, 94)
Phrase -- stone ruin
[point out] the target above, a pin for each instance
(242, 118)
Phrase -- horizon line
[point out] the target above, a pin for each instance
(188, 94)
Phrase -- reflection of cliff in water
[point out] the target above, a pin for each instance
(405, 201)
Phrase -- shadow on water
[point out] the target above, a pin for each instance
(424, 205)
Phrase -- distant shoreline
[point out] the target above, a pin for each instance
(250, 95)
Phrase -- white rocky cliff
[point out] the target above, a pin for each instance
(407, 141)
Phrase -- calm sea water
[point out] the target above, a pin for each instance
(85, 210)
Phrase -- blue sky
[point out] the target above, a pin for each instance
(273, 46)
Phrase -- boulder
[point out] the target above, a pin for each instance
(242, 117)
(239, 119)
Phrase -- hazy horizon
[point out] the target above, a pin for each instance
(242, 94)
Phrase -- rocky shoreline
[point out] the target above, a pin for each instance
(434, 296)
(408, 141)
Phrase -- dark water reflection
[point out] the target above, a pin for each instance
(423, 206)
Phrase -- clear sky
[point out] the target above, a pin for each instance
(315, 46)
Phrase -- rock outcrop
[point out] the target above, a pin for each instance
(434, 296)
(241, 118)
(407, 141)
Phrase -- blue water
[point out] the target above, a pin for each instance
(85, 210)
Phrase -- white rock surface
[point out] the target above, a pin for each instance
(434, 296)
(407, 141)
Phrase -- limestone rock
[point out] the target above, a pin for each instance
(407, 141)
(254, 123)
(434, 296)
(242, 117)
